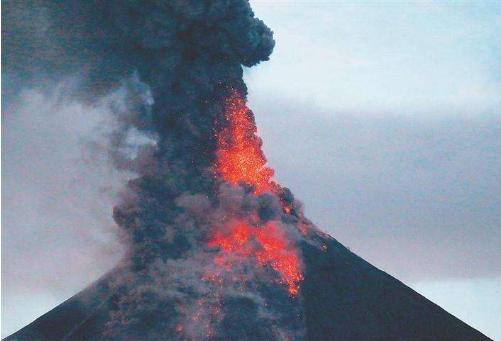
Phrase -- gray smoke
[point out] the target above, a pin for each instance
(164, 69)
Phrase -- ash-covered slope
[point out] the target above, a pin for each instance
(343, 296)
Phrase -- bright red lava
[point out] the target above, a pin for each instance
(241, 160)
(239, 154)
(267, 245)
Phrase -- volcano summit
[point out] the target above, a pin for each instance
(216, 249)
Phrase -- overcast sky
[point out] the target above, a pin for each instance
(383, 119)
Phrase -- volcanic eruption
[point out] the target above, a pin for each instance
(216, 249)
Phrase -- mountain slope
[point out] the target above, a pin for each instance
(346, 298)
(343, 297)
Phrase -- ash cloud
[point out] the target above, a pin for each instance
(200, 309)
(163, 70)
(58, 234)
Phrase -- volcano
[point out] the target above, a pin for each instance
(343, 296)
(216, 249)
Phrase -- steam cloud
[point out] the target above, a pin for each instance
(167, 69)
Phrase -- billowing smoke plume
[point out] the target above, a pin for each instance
(215, 249)
(211, 239)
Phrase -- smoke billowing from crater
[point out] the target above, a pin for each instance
(215, 249)
(211, 239)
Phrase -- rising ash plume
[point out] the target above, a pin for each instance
(208, 232)
(216, 250)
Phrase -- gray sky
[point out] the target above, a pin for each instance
(383, 119)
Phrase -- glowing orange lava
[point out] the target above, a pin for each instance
(267, 245)
(239, 154)
(239, 159)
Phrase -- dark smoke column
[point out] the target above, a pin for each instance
(209, 257)
(190, 54)
(178, 63)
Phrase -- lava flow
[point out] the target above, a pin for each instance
(239, 155)
(241, 160)
(267, 244)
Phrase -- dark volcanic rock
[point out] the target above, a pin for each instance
(343, 297)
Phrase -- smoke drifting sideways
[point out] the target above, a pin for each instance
(208, 255)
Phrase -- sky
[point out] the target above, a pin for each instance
(382, 117)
